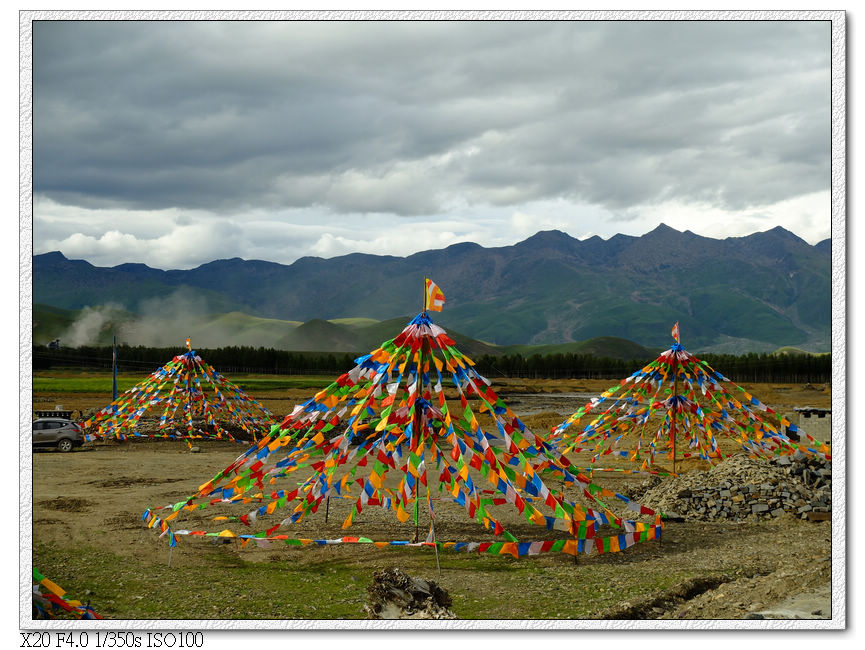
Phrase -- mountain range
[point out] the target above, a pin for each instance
(752, 293)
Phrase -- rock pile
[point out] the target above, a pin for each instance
(742, 487)
(394, 594)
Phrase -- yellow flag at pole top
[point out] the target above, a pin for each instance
(435, 299)
(188, 345)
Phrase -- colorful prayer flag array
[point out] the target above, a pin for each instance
(675, 408)
(195, 402)
(416, 410)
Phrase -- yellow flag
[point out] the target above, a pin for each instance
(435, 299)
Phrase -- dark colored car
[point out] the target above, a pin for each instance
(61, 433)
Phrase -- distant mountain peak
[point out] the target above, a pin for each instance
(132, 266)
(663, 228)
(549, 239)
(52, 256)
(463, 245)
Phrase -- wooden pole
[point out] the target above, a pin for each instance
(436, 547)
(416, 425)
(326, 508)
(433, 528)
(114, 368)
(675, 405)
(415, 441)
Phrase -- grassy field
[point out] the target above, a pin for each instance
(221, 583)
(60, 381)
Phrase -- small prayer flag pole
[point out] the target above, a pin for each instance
(114, 367)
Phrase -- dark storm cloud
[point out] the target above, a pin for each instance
(409, 117)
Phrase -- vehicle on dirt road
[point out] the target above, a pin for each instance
(60, 433)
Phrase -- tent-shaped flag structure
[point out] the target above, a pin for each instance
(412, 419)
(677, 407)
(191, 400)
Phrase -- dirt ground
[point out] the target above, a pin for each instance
(775, 561)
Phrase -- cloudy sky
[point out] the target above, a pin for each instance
(176, 143)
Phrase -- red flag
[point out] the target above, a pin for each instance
(435, 299)
(675, 332)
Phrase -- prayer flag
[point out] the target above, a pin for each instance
(675, 332)
(435, 299)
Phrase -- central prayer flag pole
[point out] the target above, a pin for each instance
(675, 401)
(417, 395)
(416, 421)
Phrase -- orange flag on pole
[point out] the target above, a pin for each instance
(675, 332)
(435, 299)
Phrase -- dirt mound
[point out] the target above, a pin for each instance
(66, 504)
(127, 482)
(394, 594)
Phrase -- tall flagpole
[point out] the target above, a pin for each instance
(675, 401)
(114, 367)
(416, 420)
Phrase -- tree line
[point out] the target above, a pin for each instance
(227, 360)
(751, 367)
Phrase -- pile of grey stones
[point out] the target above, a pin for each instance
(394, 594)
(740, 488)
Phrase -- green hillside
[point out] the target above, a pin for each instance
(319, 335)
(50, 323)
(347, 335)
(599, 346)
(354, 322)
(243, 329)
(790, 350)
(77, 326)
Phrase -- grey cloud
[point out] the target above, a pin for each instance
(372, 117)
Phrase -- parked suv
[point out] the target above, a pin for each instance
(61, 433)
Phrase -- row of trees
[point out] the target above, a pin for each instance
(752, 367)
(233, 359)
